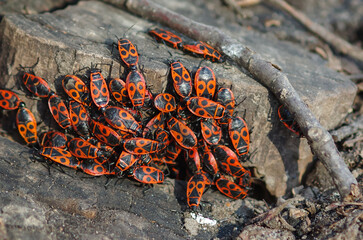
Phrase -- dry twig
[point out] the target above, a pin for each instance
(348, 130)
(266, 217)
(337, 42)
(247, 3)
(319, 139)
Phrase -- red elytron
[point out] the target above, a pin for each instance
(76, 89)
(289, 121)
(195, 190)
(193, 160)
(79, 118)
(82, 149)
(245, 180)
(36, 85)
(207, 159)
(182, 134)
(225, 97)
(148, 175)
(94, 168)
(27, 125)
(205, 108)
(211, 131)
(155, 123)
(120, 118)
(60, 156)
(230, 189)
(53, 139)
(182, 81)
(205, 82)
(99, 90)
(228, 161)
(104, 133)
(193, 49)
(119, 91)
(239, 135)
(9, 100)
(205, 50)
(165, 102)
(128, 53)
(166, 37)
(126, 160)
(140, 146)
(209, 52)
(59, 111)
(136, 88)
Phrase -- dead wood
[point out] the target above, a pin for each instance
(321, 142)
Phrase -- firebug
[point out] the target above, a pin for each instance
(205, 108)
(230, 189)
(182, 81)
(60, 156)
(166, 37)
(53, 139)
(27, 125)
(195, 190)
(99, 91)
(165, 102)
(59, 111)
(9, 100)
(239, 135)
(148, 175)
(136, 88)
(205, 82)
(76, 89)
(182, 134)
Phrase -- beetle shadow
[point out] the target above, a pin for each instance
(180, 190)
(287, 144)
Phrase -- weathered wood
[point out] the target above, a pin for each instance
(79, 35)
(269, 75)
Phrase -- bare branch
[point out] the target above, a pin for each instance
(247, 3)
(337, 42)
(346, 131)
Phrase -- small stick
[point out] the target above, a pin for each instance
(247, 3)
(237, 6)
(348, 130)
(337, 42)
(266, 73)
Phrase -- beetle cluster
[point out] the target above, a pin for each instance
(190, 131)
